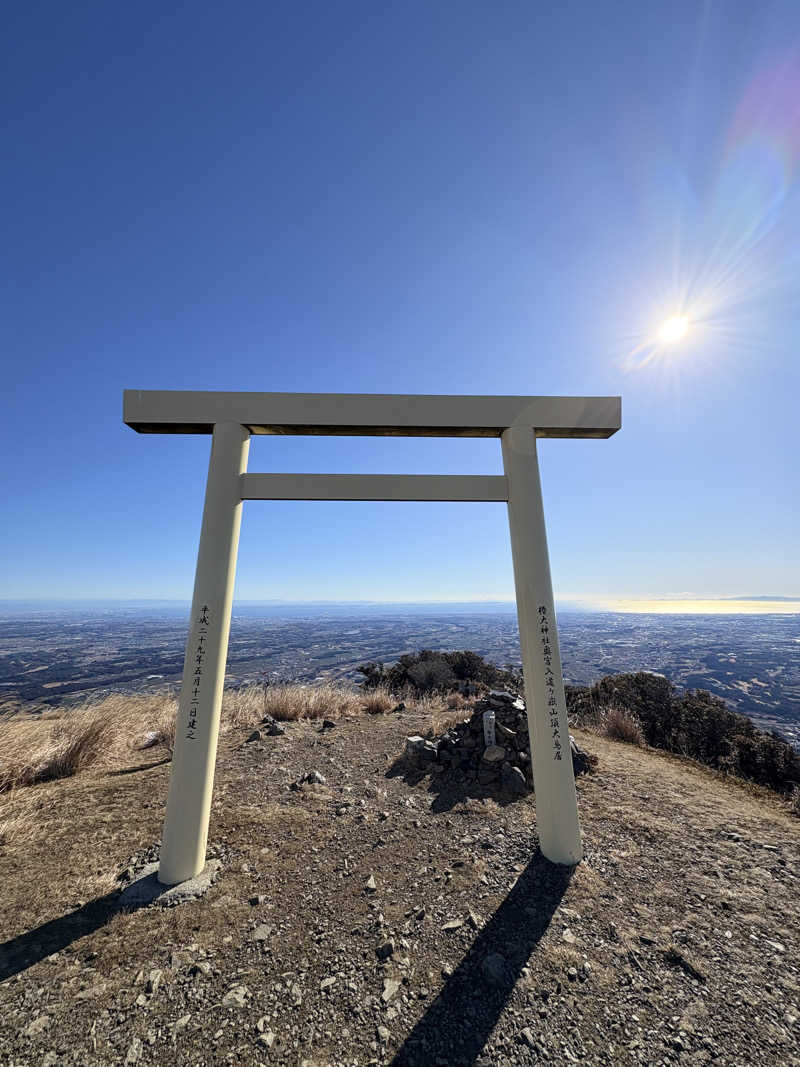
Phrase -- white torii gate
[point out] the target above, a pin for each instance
(231, 418)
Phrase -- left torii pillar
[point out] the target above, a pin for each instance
(183, 847)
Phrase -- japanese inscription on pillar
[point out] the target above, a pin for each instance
(550, 681)
(202, 623)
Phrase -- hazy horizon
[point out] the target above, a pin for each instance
(750, 605)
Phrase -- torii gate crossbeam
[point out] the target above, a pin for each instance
(231, 418)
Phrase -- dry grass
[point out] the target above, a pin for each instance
(377, 700)
(620, 725)
(110, 733)
(17, 818)
(286, 703)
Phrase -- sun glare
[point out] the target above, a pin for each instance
(673, 329)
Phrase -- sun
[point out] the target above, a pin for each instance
(673, 329)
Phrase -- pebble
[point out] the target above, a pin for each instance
(134, 1052)
(384, 951)
(453, 924)
(236, 997)
(390, 987)
(326, 983)
(527, 1036)
(370, 885)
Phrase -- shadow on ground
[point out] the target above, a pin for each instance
(456, 1026)
(24, 951)
(447, 791)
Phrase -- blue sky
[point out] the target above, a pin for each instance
(436, 198)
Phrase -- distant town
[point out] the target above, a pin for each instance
(61, 656)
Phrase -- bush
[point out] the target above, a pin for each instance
(620, 725)
(437, 672)
(696, 724)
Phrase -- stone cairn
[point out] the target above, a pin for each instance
(462, 754)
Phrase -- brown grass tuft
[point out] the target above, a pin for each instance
(377, 700)
(286, 703)
(620, 725)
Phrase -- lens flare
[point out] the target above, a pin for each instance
(673, 329)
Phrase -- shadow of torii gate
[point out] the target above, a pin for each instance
(231, 418)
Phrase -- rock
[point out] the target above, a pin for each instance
(473, 919)
(527, 1036)
(494, 754)
(236, 997)
(266, 1040)
(568, 936)
(513, 780)
(497, 970)
(38, 1026)
(263, 932)
(276, 730)
(153, 981)
(328, 724)
(92, 991)
(254, 736)
(326, 983)
(420, 752)
(370, 886)
(390, 987)
(297, 995)
(257, 900)
(454, 924)
(134, 1051)
(383, 1034)
(314, 778)
(776, 946)
(384, 951)
(572, 973)
(501, 697)
(399, 707)
(200, 969)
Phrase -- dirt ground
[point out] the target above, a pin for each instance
(674, 941)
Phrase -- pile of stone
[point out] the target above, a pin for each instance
(463, 754)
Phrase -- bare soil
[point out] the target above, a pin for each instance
(674, 941)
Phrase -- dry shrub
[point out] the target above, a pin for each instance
(456, 700)
(794, 801)
(622, 726)
(377, 700)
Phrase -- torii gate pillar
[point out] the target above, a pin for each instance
(231, 418)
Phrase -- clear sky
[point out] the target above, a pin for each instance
(446, 197)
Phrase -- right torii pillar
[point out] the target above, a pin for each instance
(548, 729)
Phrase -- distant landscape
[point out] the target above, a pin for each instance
(60, 655)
